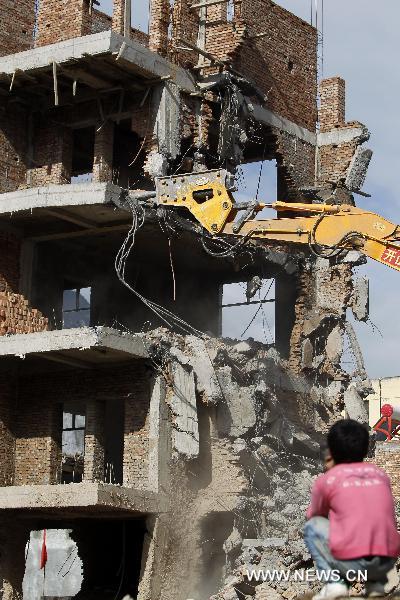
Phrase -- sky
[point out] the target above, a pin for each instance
(361, 44)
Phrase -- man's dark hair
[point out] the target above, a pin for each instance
(348, 441)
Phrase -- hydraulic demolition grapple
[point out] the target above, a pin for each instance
(326, 228)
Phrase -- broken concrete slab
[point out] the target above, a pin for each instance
(307, 354)
(357, 171)
(360, 298)
(263, 115)
(84, 347)
(334, 345)
(236, 413)
(183, 405)
(343, 135)
(355, 405)
(207, 382)
(75, 343)
(59, 197)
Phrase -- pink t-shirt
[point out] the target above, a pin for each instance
(358, 500)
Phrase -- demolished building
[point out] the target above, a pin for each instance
(150, 457)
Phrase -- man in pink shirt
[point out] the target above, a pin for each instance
(351, 525)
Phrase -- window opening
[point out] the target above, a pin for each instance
(76, 307)
(248, 310)
(141, 16)
(73, 444)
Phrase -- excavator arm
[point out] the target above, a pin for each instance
(325, 228)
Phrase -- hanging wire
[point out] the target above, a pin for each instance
(168, 317)
(258, 309)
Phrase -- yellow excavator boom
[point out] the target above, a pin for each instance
(208, 197)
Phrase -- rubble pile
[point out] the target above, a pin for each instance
(278, 454)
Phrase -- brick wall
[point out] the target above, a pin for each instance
(118, 16)
(94, 441)
(334, 159)
(324, 293)
(16, 316)
(103, 153)
(296, 166)
(38, 426)
(38, 423)
(7, 444)
(52, 158)
(333, 103)
(282, 63)
(17, 20)
(387, 457)
(136, 432)
(13, 148)
(59, 20)
(185, 25)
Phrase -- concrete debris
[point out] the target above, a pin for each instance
(236, 415)
(156, 164)
(334, 345)
(358, 168)
(63, 576)
(266, 592)
(307, 354)
(360, 298)
(355, 405)
(183, 407)
(201, 360)
(360, 371)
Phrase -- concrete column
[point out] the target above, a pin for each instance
(52, 156)
(103, 153)
(94, 441)
(136, 433)
(333, 102)
(159, 25)
(38, 430)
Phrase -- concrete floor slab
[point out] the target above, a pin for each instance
(129, 53)
(80, 497)
(83, 346)
(59, 196)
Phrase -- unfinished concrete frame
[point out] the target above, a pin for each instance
(202, 447)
